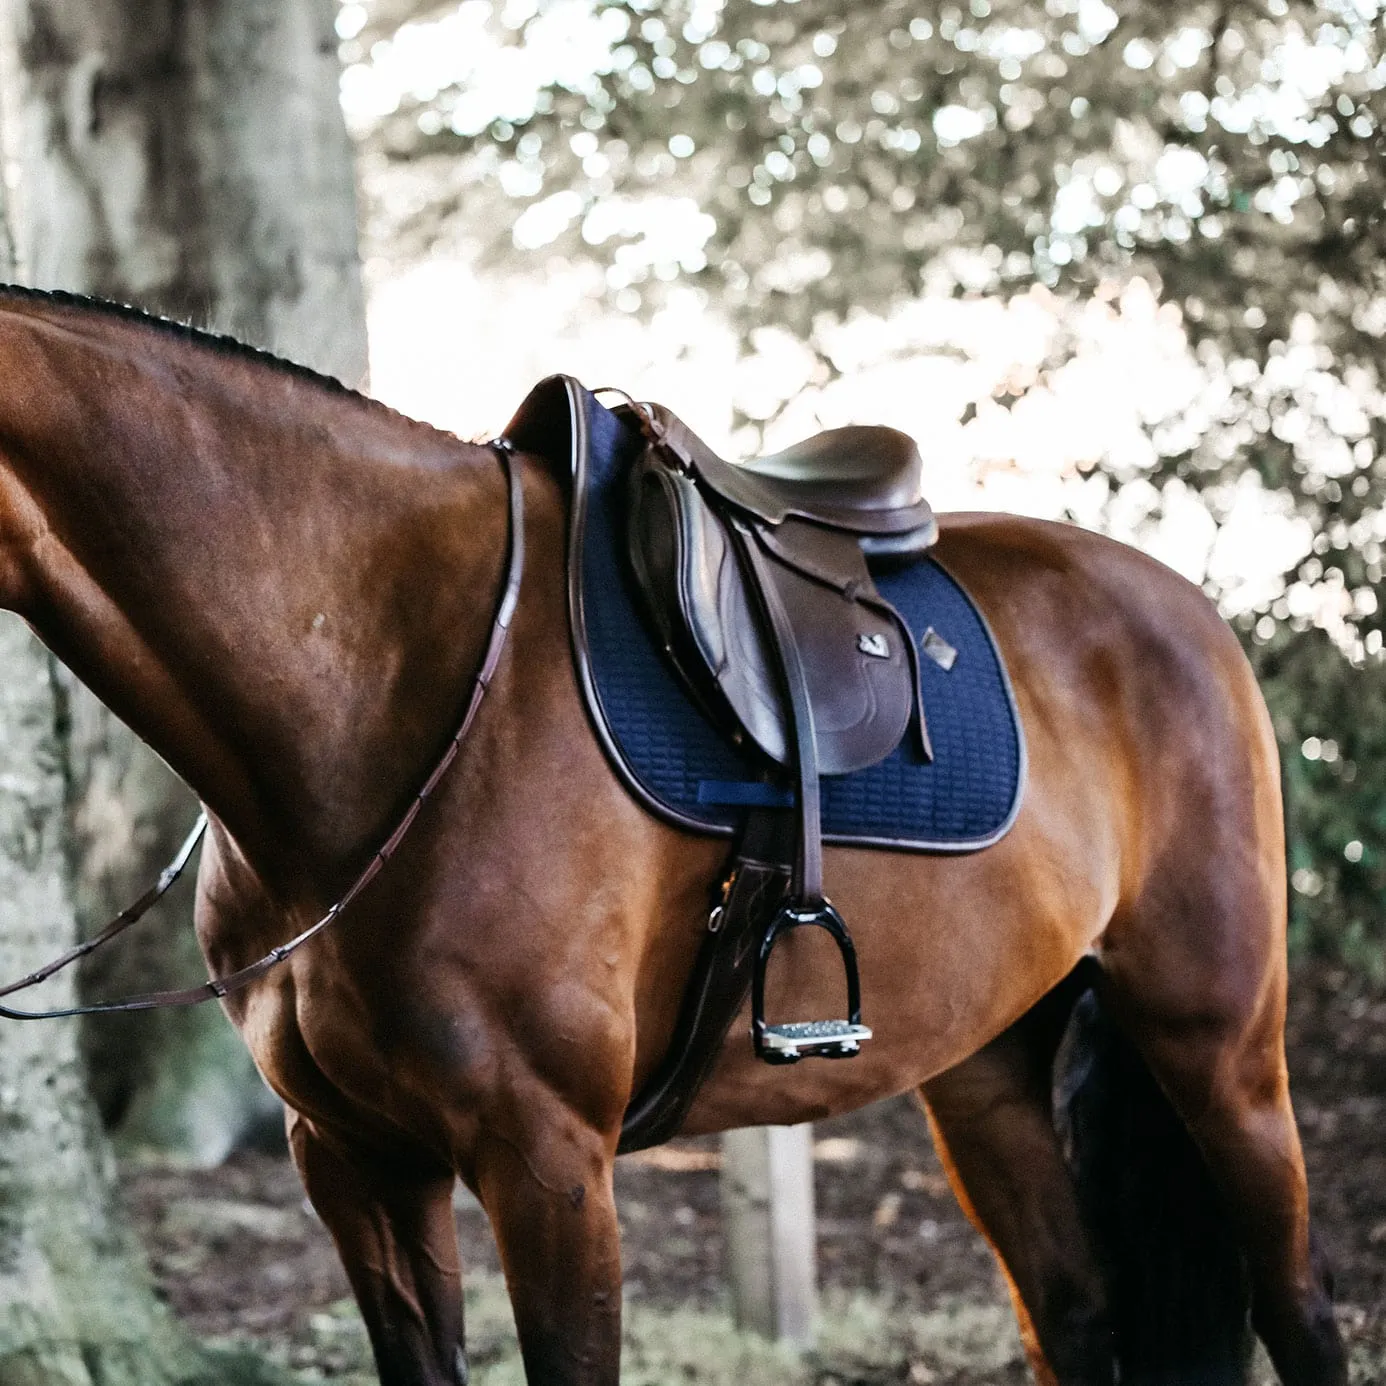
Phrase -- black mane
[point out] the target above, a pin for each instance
(218, 342)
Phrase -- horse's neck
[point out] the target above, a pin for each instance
(283, 590)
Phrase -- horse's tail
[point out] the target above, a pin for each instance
(1178, 1288)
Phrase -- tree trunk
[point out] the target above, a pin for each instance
(76, 1307)
(188, 156)
(191, 155)
(6, 243)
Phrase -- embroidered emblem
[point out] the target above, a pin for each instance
(877, 646)
(938, 649)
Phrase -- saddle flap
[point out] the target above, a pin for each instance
(856, 662)
(693, 584)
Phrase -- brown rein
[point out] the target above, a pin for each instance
(223, 986)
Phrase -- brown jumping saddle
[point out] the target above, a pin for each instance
(755, 578)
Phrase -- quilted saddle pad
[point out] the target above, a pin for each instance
(676, 762)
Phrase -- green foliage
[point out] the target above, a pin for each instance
(1330, 720)
(839, 159)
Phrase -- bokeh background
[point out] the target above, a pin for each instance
(1120, 264)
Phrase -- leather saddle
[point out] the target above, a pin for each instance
(755, 578)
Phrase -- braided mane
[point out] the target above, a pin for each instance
(219, 342)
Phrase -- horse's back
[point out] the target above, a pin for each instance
(1042, 583)
(1120, 662)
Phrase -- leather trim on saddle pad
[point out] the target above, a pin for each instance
(677, 764)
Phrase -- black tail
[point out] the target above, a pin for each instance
(1179, 1293)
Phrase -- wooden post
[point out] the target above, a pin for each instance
(767, 1212)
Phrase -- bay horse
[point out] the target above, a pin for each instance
(286, 589)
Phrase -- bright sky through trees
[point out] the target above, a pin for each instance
(1105, 258)
(925, 367)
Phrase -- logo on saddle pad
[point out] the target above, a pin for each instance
(877, 646)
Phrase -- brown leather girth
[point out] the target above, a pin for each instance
(752, 891)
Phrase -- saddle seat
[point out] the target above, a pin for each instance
(866, 480)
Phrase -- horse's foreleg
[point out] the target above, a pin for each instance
(992, 1121)
(393, 1226)
(550, 1201)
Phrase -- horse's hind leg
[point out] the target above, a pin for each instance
(993, 1125)
(1197, 981)
(393, 1225)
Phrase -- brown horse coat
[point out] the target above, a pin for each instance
(285, 589)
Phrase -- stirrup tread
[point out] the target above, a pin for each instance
(802, 1039)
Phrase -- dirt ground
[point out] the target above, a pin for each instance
(238, 1257)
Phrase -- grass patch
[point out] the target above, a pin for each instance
(861, 1340)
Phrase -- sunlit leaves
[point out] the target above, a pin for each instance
(802, 162)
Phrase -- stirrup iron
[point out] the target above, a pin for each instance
(791, 1041)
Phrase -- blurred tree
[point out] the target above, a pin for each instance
(1330, 718)
(76, 1304)
(846, 159)
(191, 159)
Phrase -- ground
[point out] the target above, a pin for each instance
(910, 1293)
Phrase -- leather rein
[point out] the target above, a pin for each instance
(219, 987)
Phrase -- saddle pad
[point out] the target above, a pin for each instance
(678, 764)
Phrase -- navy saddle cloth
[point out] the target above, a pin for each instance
(676, 762)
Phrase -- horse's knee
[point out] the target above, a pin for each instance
(550, 1200)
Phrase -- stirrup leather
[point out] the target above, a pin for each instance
(789, 1042)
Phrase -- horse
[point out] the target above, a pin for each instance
(287, 590)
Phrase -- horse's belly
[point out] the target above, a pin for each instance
(951, 952)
